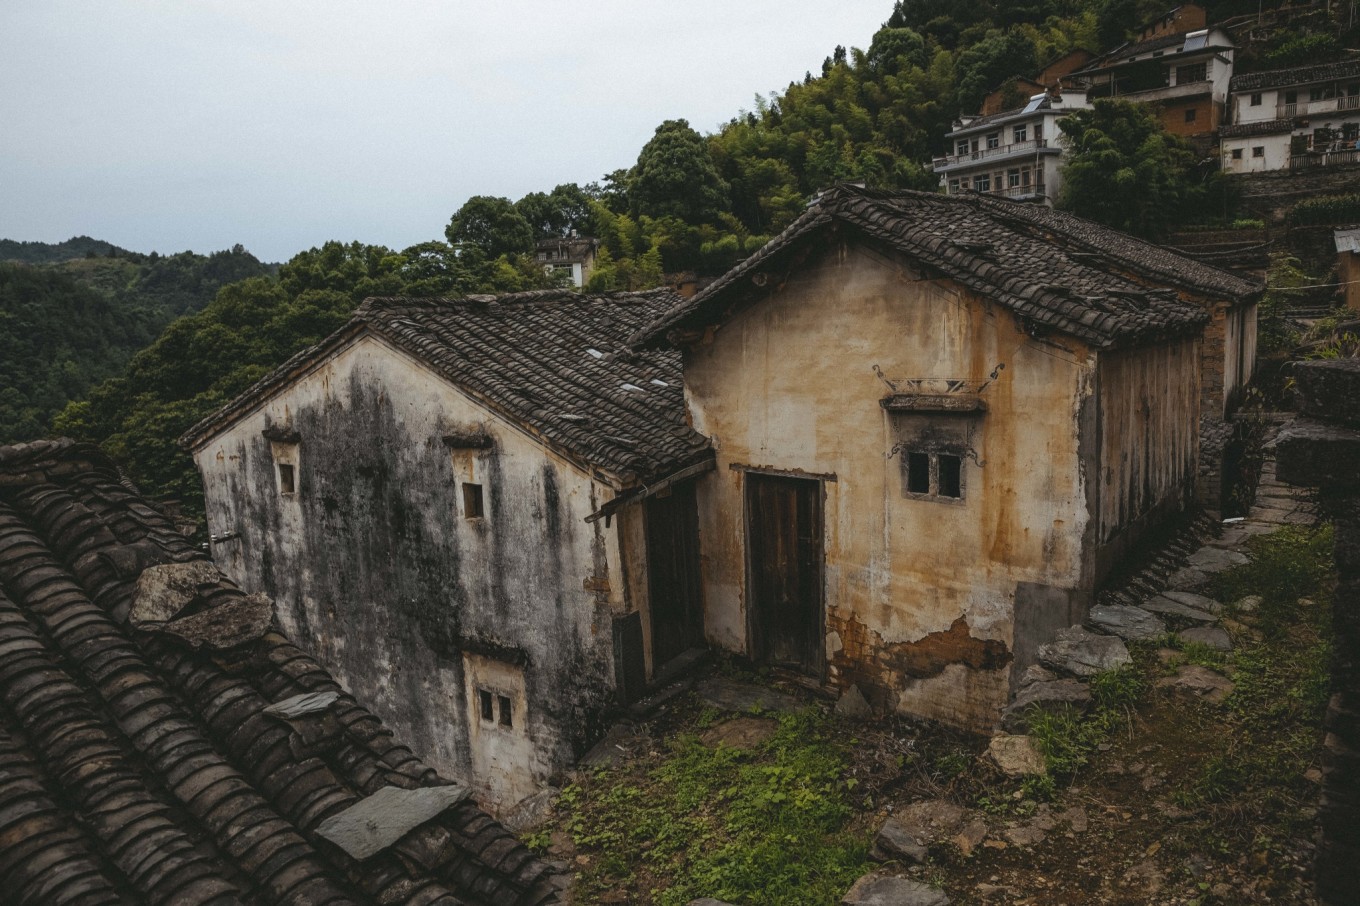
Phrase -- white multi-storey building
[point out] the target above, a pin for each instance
(1014, 153)
(1293, 118)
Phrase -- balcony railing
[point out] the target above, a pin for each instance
(1034, 191)
(1310, 159)
(1325, 105)
(955, 160)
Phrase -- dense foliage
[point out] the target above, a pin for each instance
(1125, 170)
(77, 317)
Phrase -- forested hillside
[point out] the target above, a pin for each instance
(689, 202)
(73, 313)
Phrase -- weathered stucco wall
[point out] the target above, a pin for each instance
(376, 569)
(1149, 440)
(923, 597)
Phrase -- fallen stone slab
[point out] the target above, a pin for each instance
(1248, 604)
(1025, 835)
(1201, 681)
(1083, 653)
(896, 841)
(1128, 622)
(853, 704)
(1199, 602)
(377, 821)
(1187, 577)
(1048, 695)
(730, 695)
(885, 890)
(1216, 560)
(1214, 637)
(1171, 607)
(1016, 756)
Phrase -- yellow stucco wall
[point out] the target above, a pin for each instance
(790, 384)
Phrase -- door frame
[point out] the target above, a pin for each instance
(754, 644)
(696, 629)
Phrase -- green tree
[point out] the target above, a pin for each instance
(675, 176)
(1124, 170)
(557, 213)
(492, 225)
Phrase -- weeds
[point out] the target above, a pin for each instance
(760, 825)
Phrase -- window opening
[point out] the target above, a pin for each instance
(1256, 99)
(1258, 151)
(473, 507)
(488, 704)
(287, 479)
(1021, 132)
(918, 473)
(994, 140)
(1190, 115)
(506, 710)
(1237, 154)
(951, 476)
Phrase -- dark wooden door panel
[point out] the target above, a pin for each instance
(784, 534)
(673, 571)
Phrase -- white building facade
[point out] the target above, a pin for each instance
(1015, 154)
(1294, 119)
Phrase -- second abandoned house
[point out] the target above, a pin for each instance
(414, 493)
(939, 421)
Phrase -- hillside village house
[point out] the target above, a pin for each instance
(938, 423)
(1015, 153)
(571, 256)
(1307, 116)
(1185, 75)
(415, 493)
(1347, 243)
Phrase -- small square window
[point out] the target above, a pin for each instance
(1258, 151)
(918, 473)
(287, 478)
(488, 703)
(1237, 154)
(1190, 115)
(951, 476)
(507, 719)
(1256, 99)
(473, 507)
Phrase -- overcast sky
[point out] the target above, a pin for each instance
(279, 124)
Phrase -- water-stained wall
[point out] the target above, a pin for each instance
(920, 594)
(379, 568)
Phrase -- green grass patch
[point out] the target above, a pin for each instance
(1068, 738)
(1272, 730)
(766, 825)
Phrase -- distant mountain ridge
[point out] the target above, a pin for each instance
(52, 252)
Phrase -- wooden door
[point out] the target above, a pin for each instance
(784, 569)
(673, 574)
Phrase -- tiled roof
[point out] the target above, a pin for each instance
(545, 360)
(140, 758)
(1054, 270)
(1264, 127)
(1298, 75)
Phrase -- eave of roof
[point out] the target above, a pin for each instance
(1295, 75)
(1265, 127)
(1074, 309)
(507, 354)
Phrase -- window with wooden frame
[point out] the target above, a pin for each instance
(933, 475)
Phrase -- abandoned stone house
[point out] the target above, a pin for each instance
(938, 422)
(162, 742)
(455, 505)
